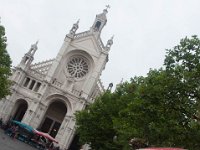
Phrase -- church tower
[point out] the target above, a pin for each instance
(100, 22)
(28, 57)
(81, 58)
(46, 95)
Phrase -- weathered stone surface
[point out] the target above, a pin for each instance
(45, 95)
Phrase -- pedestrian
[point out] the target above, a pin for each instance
(15, 131)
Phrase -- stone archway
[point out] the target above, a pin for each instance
(53, 118)
(19, 110)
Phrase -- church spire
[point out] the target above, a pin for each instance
(33, 49)
(100, 21)
(74, 29)
(109, 43)
(29, 56)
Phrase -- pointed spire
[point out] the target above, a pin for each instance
(78, 21)
(74, 28)
(109, 43)
(28, 57)
(110, 86)
(33, 48)
(100, 21)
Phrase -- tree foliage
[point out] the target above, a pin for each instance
(96, 125)
(5, 64)
(161, 109)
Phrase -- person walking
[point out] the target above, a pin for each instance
(15, 131)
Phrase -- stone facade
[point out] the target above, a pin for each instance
(46, 95)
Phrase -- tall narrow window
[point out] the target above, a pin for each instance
(26, 82)
(97, 25)
(26, 60)
(37, 86)
(32, 85)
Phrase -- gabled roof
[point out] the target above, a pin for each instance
(89, 33)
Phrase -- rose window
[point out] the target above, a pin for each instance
(77, 67)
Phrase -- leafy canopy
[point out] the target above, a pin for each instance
(161, 109)
(5, 64)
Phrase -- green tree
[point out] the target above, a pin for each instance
(95, 123)
(160, 114)
(5, 65)
(159, 110)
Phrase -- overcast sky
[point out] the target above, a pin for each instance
(143, 29)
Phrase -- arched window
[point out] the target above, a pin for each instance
(97, 25)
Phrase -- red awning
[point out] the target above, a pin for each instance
(161, 149)
(46, 135)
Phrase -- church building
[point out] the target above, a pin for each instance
(46, 95)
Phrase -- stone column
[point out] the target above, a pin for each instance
(39, 115)
(63, 127)
(30, 113)
(71, 133)
(29, 83)
(27, 116)
(65, 131)
(34, 85)
(7, 110)
(7, 107)
(91, 83)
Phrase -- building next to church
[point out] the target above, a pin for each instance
(46, 95)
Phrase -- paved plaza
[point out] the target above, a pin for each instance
(7, 143)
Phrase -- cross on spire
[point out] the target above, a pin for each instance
(107, 7)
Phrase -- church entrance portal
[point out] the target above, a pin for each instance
(20, 109)
(53, 118)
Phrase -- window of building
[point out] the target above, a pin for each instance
(26, 82)
(77, 67)
(97, 25)
(37, 87)
(26, 60)
(32, 85)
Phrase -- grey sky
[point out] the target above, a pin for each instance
(143, 29)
